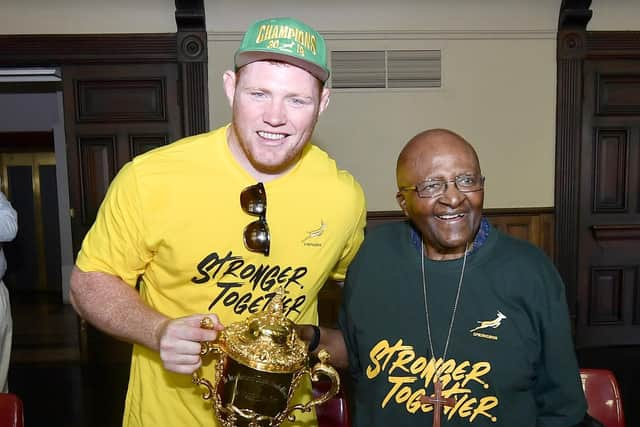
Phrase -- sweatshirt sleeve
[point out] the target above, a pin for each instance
(558, 389)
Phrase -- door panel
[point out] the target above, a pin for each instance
(113, 113)
(609, 217)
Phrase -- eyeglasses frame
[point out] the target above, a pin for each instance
(445, 188)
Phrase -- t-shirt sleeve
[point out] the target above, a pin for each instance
(356, 236)
(115, 243)
(558, 389)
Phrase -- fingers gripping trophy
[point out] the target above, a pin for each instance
(260, 363)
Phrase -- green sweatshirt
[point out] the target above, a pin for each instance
(510, 360)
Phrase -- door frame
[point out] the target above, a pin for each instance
(52, 123)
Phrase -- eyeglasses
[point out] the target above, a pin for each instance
(435, 187)
(253, 200)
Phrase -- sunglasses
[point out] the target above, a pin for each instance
(253, 200)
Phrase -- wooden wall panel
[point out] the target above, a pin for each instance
(605, 299)
(121, 100)
(611, 171)
(26, 49)
(610, 306)
(139, 144)
(618, 94)
(616, 232)
(97, 166)
(535, 225)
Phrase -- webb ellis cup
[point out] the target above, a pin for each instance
(259, 364)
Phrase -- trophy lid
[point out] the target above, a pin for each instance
(266, 341)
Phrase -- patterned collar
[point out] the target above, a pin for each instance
(481, 236)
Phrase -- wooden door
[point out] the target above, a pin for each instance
(608, 286)
(113, 113)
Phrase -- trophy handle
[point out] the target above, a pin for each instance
(320, 368)
(207, 347)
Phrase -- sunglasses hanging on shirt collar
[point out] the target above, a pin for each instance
(253, 200)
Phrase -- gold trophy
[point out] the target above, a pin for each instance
(260, 363)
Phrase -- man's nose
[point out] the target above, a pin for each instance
(451, 195)
(275, 113)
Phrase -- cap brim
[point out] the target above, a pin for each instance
(247, 57)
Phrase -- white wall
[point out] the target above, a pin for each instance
(361, 15)
(498, 87)
(615, 15)
(86, 16)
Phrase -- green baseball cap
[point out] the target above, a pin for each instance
(287, 40)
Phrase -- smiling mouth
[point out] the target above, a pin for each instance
(450, 217)
(272, 136)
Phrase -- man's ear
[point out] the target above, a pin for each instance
(402, 202)
(229, 83)
(324, 99)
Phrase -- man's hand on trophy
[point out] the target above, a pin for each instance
(329, 339)
(179, 341)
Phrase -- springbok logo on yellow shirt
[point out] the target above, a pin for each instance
(314, 234)
(484, 324)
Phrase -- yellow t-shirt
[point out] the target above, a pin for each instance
(173, 217)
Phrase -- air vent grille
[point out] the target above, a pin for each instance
(386, 69)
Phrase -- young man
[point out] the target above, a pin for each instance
(448, 320)
(213, 224)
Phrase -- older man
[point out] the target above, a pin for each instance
(446, 319)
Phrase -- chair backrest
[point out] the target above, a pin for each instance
(603, 396)
(11, 413)
(334, 412)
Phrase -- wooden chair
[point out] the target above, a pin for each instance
(603, 396)
(11, 413)
(334, 412)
